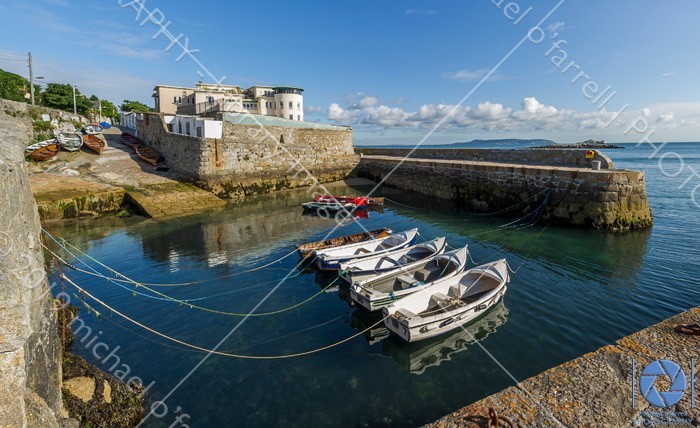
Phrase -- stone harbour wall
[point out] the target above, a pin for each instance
(549, 157)
(605, 199)
(249, 159)
(30, 351)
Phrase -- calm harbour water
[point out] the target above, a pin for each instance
(576, 290)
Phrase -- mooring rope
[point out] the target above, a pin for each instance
(213, 351)
(165, 297)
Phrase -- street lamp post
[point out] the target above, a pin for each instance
(75, 106)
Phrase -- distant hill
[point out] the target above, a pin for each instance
(509, 142)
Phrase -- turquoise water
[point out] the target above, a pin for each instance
(574, 291)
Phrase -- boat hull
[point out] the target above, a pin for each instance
(443, 325)
(305, 251)
(333, 263)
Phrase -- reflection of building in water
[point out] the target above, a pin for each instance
(174, 257)
(418, 356)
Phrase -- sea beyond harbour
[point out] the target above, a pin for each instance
(574, 291)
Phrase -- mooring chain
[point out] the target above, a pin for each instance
(495, 417)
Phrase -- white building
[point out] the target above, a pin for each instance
(280, 101)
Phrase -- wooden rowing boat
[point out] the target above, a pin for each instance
(447, 305)
(149, 155)
(306, 250)
(70, 141)
(94, 143)
(328, 206)
(131, 140)
(331, 258)
(384, 289)
(44, 152)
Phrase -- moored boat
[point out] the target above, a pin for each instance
(149, 155)
(70, 141)
(306, 250)
(331, 258)
(374, 293)
(130, 140)
(447, 305)
(357, 200)
(328, 206)
(43, 150)
(403, 258)
(94, 143)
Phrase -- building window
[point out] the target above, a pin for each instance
(179, 127)
(281, 105)
(187, 128)
(291, 105)
(174, 100)
(291, 117)
(298, 106)
(210, 100)
(179, 100)
(199, 131)
(299, 117)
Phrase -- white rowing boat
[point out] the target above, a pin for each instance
(70, 141)
(40, 145)
(418, 357)
(331, 258)
(403, 258)
(447, 305)
(384, 289)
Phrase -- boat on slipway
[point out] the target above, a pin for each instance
(403, 258)
(94, 143)
(306, 250)
(147, 154)
(70, 141)
(130, 140)
(331, 258)
(93, 128)
(382, 290)
(43, 150)
(447, 305)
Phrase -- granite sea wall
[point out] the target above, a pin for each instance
(607, 199)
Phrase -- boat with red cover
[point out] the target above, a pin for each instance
(359, 201)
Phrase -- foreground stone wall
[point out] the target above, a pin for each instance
(250, 160)
(30, 353)
(595, 390)
(606, 199)
(550, 157)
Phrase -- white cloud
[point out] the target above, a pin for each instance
(468, 75)
(490, 116)
(421, 12)
(668, 74)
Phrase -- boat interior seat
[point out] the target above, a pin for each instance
(425, 273)
(440, 300)
(385, 245)
(407, 281)
(405, 313)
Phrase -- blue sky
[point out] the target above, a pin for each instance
(392, 69)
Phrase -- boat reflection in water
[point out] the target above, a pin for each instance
(418, 356)
(362, 319)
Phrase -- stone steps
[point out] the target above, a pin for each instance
(170, 200)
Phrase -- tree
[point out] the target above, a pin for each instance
(60, 96)
(136, 106)
(15, 87)
(109, 110)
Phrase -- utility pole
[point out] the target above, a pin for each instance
(99, 103)
(75, 106)
(31, 78)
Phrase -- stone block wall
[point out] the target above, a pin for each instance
(249, 159)
(549, 157)
(606, 199)
(30, 351)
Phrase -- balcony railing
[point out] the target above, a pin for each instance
(216, 106)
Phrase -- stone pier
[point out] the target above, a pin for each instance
(494, 180)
